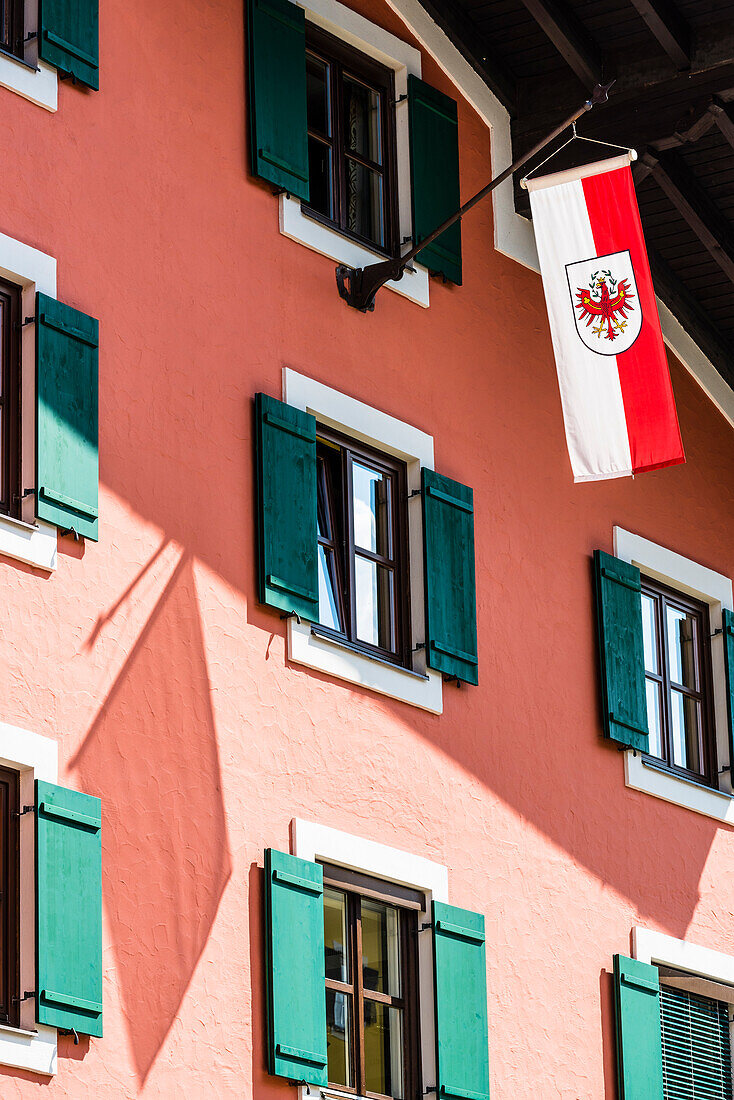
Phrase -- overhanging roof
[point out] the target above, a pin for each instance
(673, 101)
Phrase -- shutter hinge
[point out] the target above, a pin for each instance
(24, 324)
(401, 99)
(70, 1031)
(413, 493)
(24, 494)
(26, 997)
(421, 645)
(21, 813)
(423, 927)
(30, 37)
(720, 630)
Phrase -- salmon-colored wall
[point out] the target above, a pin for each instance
(147, 657)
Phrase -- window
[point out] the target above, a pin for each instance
(362, 553)
(9, 397)
(351, 141)
(9, 930)
(696, 1044)
(11, 26)
(371, 984)
(678, 681)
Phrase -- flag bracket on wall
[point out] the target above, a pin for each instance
(359, 285)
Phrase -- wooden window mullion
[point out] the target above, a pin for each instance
(361, 1076)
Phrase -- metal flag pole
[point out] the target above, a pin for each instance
(359, 285)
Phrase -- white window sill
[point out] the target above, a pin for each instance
(40, 86)
(30, 1050)
(328, 242)
(328, 656)
(686, 793)
(34, 544)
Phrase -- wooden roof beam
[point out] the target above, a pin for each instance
(570, 38)
(695, 207)
(468, 39)
(722, 117)
(669, 28)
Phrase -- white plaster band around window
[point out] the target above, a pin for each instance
(716, 590)
(27, 540)
(421, 686)
(403, 59)
(316, 842)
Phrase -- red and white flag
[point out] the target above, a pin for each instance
(617, 398)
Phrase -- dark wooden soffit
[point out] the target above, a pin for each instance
(673, 100)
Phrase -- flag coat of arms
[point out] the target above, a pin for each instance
(617, 398)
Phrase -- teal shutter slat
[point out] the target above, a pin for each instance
(276, 47)
(67, 462)
(696, 1039)
(434, 165)
(639, 1045)
(287, 532)
(728, 628)
(296, 993)
(450, 583)
(69, 38)
(68, 909)
(460, 971)
(621, 650)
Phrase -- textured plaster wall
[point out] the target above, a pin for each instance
(167, 687)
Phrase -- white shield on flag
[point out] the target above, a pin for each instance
(605, 303)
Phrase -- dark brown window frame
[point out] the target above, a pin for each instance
(341, 540)
(664, 597)
(12, 30)
(357, 886)
(10, 398)
(10, 899)
(341, 59)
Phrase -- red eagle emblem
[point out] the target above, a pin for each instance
(607, 302)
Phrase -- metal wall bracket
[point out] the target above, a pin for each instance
(25, 810)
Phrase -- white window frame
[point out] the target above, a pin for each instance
(420, 686)
(313, 842)
(403, 59)
(28, 539)
(715, 590)
(32, 79)
(31, 1046)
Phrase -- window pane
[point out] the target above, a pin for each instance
(317, 91)
(371, 510)
(373, 600)
(649, 633)
(338, 1037)
(362, 123)
(363, 202)
(335, 936)
(682, 639)
(653, 717)
(686, 719)
(328, 606)
(383, 1049)
(319, 177)
(380, 947)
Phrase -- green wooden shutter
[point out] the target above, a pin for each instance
(434, 165)
(287, 532)
(450, 583)
(67, 463)
(68, 909)
(276, 45)
(295, 973)
(639, 1044)
(621, 650)
(728, 628)
(460, 969)
(69, 38)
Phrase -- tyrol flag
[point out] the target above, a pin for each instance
(617, 399)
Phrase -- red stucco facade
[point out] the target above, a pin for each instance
(168, 690)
